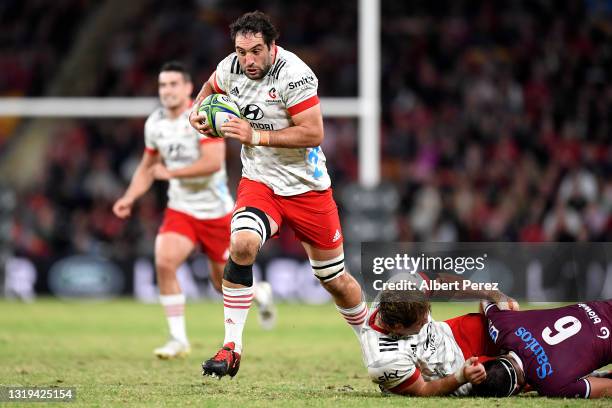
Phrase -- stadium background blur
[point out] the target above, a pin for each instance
(496, 120)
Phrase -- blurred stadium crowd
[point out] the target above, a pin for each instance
(496, 116)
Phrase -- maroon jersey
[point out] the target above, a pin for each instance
(557, 347)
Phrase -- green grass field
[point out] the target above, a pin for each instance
(104, 350)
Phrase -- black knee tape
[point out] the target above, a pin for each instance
(264, 218)
(238, 274)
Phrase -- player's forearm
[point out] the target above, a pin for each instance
(442, 386)
(600, 387)
(293, 136)
(140, 184)
(200, 168)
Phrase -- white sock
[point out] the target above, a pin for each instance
(236, 304)
(355, 316)
(174, 307)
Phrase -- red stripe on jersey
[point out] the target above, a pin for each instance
(215, 85)
(206, 140)
(373, 325)
(399, 389)
(152, 152)
(302, 106)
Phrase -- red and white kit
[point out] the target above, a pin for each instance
(289, 184)
(198, 207)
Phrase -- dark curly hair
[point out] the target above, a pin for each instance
(254, 22)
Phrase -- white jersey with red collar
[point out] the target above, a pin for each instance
(396, 362)
(178, 143)
(290, 87)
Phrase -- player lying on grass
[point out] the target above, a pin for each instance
(553, 350)
(406, 352)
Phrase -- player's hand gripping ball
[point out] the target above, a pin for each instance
(217, 110)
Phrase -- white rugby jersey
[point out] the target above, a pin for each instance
(178, 143)
(289, 88)
(397, 361)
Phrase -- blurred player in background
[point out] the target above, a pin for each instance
(406, 352)
(284, 178)
(555, 351)
(199, 202)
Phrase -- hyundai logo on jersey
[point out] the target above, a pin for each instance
(252, 112)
